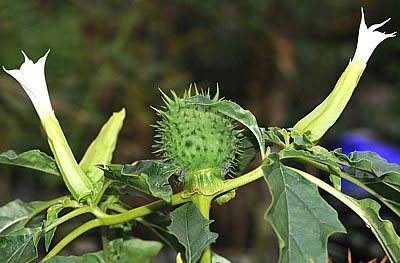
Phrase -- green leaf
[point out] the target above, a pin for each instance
(190, 228)
(87, 258)
(382, 229)
(52, 216)
(301, 139)
(148, 176)
(336, 181)
(301, 218)
(101, 149)
(368, 210)
(14, 214)
(316, 154)
(158, 223)
(33, 159)
(133, 250)
(234, 111)
(277, 136)
(20, 246)
(373, 163)
(389, 195)
(249, 150)
(380, 178)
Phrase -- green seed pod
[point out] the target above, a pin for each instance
(201, 141)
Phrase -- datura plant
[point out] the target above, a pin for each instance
(203, 144)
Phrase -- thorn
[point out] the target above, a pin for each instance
(216, 96)
(167, 100)
(175, 97)
(155, 109)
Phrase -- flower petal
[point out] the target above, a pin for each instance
(369, 39)
(32, 79)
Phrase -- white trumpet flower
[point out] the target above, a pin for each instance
(326, 114)
(32, 79)
(369, 39)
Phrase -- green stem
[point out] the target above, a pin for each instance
(105, 220)
(177, 199)
(349, 202)
(203, 203)
(116, 208)
(71, 236)
(70, 215)
(333, 191)
(349, 178)
(104, 242)
(251, 176)
(42, 208)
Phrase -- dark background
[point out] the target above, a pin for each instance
(278, 58)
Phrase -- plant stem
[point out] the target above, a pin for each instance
(70, 215)
(251, 176)
(104, 242)
(349, 202)
(333, 191)
(349, 178)
(177, 199)
(203, 203)
(105, 220)
(42, 208)
(71, 236)
(116, 208)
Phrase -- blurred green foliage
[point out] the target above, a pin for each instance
(279, 58)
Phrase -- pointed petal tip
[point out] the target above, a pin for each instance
(27, 59)
(369, 38)
(376, 26)
(44, 57)
(23, 53)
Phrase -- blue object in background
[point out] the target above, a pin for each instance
(359, 141)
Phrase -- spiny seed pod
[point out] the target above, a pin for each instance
(198, 139)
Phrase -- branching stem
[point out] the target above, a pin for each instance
(70, 215)
(349, 178)
(42, 208)
(104, 219)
